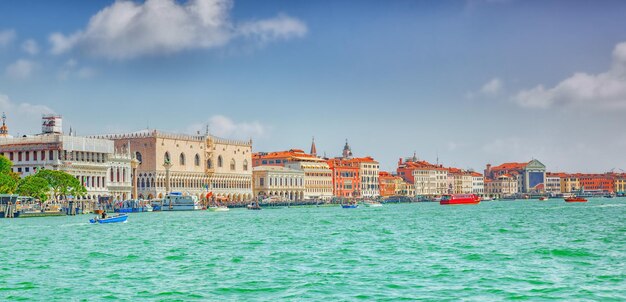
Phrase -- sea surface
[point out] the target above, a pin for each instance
(504, 250)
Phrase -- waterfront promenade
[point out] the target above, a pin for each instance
(523, 250)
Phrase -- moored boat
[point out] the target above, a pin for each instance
(175, 201)
(219, 209)
(114, 219)
(543, 198)
(459, 199)
(575, 199)
(254, 206)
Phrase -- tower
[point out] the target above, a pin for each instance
(4, 130)
(313, 148)
(347, 152)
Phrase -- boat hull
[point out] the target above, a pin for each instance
(452, 202)
(576, 199)
(459, 199)
(349, 206)
(115, 219)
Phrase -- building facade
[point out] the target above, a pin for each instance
(285, 183)
(478, 184)
(346, 178)
(553, 183)
(368, 170)
(502, 186)
(202, 165)
(531, 176)
(318, 179)
(104, 170)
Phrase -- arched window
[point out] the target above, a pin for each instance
(220, 162)
(232, 165)
(197, 160)
(245, 165)
(181, 159)
(138, 157)
(167, 157)
(209, 164)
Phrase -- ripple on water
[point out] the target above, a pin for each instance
(495, 251)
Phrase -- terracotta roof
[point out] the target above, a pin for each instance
(510, 166)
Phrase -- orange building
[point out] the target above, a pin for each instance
(595, 182)
(346, 178)
(387, 183)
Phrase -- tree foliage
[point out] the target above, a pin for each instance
(62, 184)
(5, 165)
(8, 184)
(33, 186)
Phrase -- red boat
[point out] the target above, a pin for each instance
(575, 199)
(460, 199)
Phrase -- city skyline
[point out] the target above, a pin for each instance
(469, 82)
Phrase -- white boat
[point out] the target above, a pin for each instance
(219, 209)
(177, 202)
(148, 208)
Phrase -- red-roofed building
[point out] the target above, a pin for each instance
(346, 177)
(530, 176)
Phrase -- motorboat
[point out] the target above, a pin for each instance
(575, 199)
(175, 201)
(543, 198)
(459, 199)
(350, 206)
(113, 219)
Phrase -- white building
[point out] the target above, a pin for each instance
(92, 161)
(553, 183)
(288, 184)
(478, 184)
(368, 171)
(430, 181)
(318, 178)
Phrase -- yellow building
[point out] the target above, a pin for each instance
(569, 184)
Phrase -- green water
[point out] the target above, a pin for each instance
(522, 250)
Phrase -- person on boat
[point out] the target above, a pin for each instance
(104, 214)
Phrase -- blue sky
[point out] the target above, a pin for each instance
(471, 82)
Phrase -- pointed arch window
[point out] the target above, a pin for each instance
(209, 164)
(197, 160)
(245, 165)
(220, 162)
(181, 159)
(232, 164)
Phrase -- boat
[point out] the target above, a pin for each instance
(114, 219)
(543, 198)
(487, 199)
(373, 204)
(350, 206)
(609, 196)
(459, 199)
(175, 201)
(575, 199)
(219, 209)
(148, 208)
(254, 206)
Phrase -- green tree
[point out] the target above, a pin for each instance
(5, 165)
(8, 183)
(33, 186)
(62, 184)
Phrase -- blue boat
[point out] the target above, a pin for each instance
(350, 206)
(114, 219)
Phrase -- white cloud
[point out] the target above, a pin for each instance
(126, 30)
(6, 37)
(71, 69)
(22, 118)
(20, 69)
(225, 127)
(605, 90)
(493, 87)
(30, 46)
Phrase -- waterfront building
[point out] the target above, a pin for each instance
(317, 174)
(430, 180)
(530, 176)
(345, 177)
(459, 181)
(368, 170)
(620, 184)
(286, 183)
(501, 186)
(318, 179)
(205, 166)
(408, 165)
(387, 183)
(569, 183)
(103, 169)
(553, 183)
(594, 183)
(478, 183)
